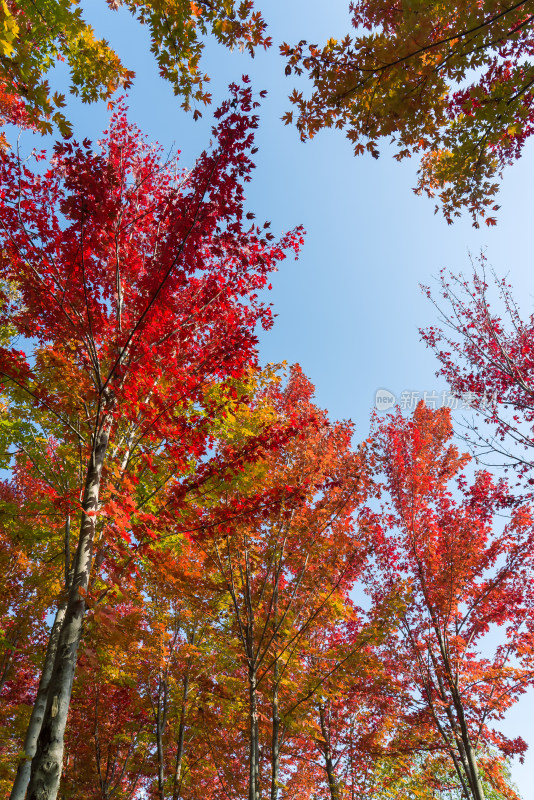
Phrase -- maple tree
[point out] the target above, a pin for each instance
(107, 739)
(486, 355)
(178, 29)
(184, 537)
(337, 736)
(34, 37)
(22, 609)
(286, 568)
(150, 653)
(154, 694)
(336, 711)
(136, 291)
(279, 570)
(459, 578)
(423, 776)
(451, 82)
(191, 673)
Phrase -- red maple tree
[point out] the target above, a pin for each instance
(134, 286)
(458, 578)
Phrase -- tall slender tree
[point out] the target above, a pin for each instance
(460, 578)
(485, 346)
(140, 283)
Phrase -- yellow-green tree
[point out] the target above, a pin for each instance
(448, 81)
(35, 36)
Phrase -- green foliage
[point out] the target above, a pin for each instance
(450, 82)
(178, 28)
(428, 776)
(34, 37)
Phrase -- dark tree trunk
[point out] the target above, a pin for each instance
(254, 747)
(275, 742)
(327, 752)
(275, 746)
(161, 721)
(180, 745)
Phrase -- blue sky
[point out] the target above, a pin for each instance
(349, 310)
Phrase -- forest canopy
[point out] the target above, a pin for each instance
(213, 588)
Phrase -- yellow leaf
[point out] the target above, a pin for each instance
(8, 30)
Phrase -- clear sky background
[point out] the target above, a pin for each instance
(349, 310)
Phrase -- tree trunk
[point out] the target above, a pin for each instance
(180, 748)
(161, 719)
(275, 746)
(7, 662)
(473, 772)
(275, 743)
(48, 760)
(466, 751)
(330, 771)
(254, 776)
(22, 778)
(468, 755)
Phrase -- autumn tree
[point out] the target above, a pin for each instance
(460, 577)
(35, 37)
(485, 347)
(107, 742)
(425, 776)
(136, 295)
(282, 561)
(180, 668)
(154, 657)
(331, 742)
(450, 82)
(23, 606)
